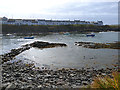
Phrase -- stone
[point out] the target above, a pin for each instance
(17, 75)
(46, 80)
(72, 75)
(60, 83)
(103, 74)
(48, 76)
(10, 86)
(39, 86)
(85, 82)
(30, 78)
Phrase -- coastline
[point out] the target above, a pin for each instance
(19, 75)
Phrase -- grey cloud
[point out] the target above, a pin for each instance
(91, 11)
(86, 8)
(107, 19)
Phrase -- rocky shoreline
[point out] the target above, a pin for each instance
(93, 45)
(20, 75)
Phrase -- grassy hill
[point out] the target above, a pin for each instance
(56, 28)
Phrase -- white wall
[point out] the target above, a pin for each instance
(42, 22)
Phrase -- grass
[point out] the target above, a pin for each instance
(107, 81)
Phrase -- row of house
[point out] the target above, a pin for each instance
(5, 20)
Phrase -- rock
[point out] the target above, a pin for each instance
(48, 76)
(46, 80)
(39, 44)
(17, 75)
(51, 82)
(88, 76)
(98, 45)
(72, 75)
(103, 74)
(60, 83)
(21, 75)
(60, 77)
(4, 86)
(10, 86)
(85, 82)
(39, 86)
(78, 81)
(30, 86)
(56, 76)
(30, 78)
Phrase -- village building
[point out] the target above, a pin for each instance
(5, 20)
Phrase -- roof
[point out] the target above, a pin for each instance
(40, 19)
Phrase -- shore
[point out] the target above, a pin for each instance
(20, 75)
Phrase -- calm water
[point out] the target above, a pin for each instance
(71, 56)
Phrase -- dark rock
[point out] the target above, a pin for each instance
(10, 86)
(17, 75)
(85, 82)
(92, 45)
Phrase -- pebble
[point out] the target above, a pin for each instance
(20, 75)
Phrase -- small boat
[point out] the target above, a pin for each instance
(29, 37)
(90, 35)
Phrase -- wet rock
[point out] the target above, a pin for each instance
(17, 75)
(92, 45)
(72, 75)
(30, 86)
(10, 86)
(4, 86)
(39, 44)
(60, 83)
(30, 78)
(39, 86)
(104, 74)
(85, 82)
(48, 76)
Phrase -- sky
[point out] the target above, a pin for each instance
(88, 10)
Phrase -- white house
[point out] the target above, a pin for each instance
(46, 22)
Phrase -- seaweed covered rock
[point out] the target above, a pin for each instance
(40, 44)
(93, 45)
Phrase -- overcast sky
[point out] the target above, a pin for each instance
(88, 10)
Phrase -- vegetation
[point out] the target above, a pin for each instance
(55, 28)
(107, 81)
